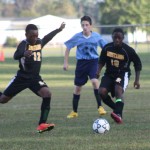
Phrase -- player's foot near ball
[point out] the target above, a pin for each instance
(116, 117)
(45, 127)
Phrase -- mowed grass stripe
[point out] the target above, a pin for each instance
(19, 117)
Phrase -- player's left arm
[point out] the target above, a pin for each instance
(136, 83)
(50, 35)
(138, 67)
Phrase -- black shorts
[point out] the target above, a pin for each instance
(109, 82)
(18, 84)
(85, 69)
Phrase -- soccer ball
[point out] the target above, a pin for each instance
(101, 125)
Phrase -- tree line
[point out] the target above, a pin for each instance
(104, 12)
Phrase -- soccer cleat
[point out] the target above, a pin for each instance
(101, 110)
(72, 115)
(45, 127)
(117, 118)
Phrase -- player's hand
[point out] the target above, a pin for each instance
(136, 85)
(65, 67)
(27, 53)
(62, 26)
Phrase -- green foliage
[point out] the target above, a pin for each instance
(104, 12)
(34, 8)
(63, 7)
(11, 42)
(125, 12)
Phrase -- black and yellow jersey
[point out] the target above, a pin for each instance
(118, 60)
(30, 67)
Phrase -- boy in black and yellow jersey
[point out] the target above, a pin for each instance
(117, 57)
(29, 55)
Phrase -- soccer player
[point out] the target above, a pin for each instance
(29, 55)
(87, 62)
(117, 57)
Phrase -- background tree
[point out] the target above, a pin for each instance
(25, 8)
(104, 12)
(125, 12)
(56, 7)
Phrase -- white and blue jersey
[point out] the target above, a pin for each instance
(86, 46)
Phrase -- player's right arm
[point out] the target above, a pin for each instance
(66, 57)
(19, 53)
(69, 45)
(100, 66)
(101, 62)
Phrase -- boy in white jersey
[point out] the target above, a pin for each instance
(87, 62)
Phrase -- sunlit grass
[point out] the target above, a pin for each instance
(19, 117)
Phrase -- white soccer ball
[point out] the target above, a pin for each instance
(101, 125)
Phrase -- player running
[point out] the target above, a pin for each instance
(117, 57)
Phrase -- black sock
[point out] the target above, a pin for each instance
(98, 98)
(75, 102)
(45, 108)
(109, 102)
(119, 108)
(1, 93)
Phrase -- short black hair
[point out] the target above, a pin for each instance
(87, 18)
(31, 27)
(118, 30)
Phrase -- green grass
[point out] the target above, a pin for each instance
(19, 117)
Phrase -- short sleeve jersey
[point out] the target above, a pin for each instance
(86, 46)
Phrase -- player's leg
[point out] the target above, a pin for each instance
(15, 86)
(45, 106)
(81, 78)
(120, 86)
(95, 84)
(117, 113)
(4, 99)
(45, 93)
(75, 102)
(92, 69)
(39, 87)
(105, 87)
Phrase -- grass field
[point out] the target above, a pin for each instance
(19, 117)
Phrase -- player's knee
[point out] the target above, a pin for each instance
(4, 99)
(44, 92)
(95, 83)
(47, 94)
(77, 90)
(103, 93)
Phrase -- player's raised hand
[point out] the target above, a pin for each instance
(27, 53)
(136, 85)
(62, 26)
